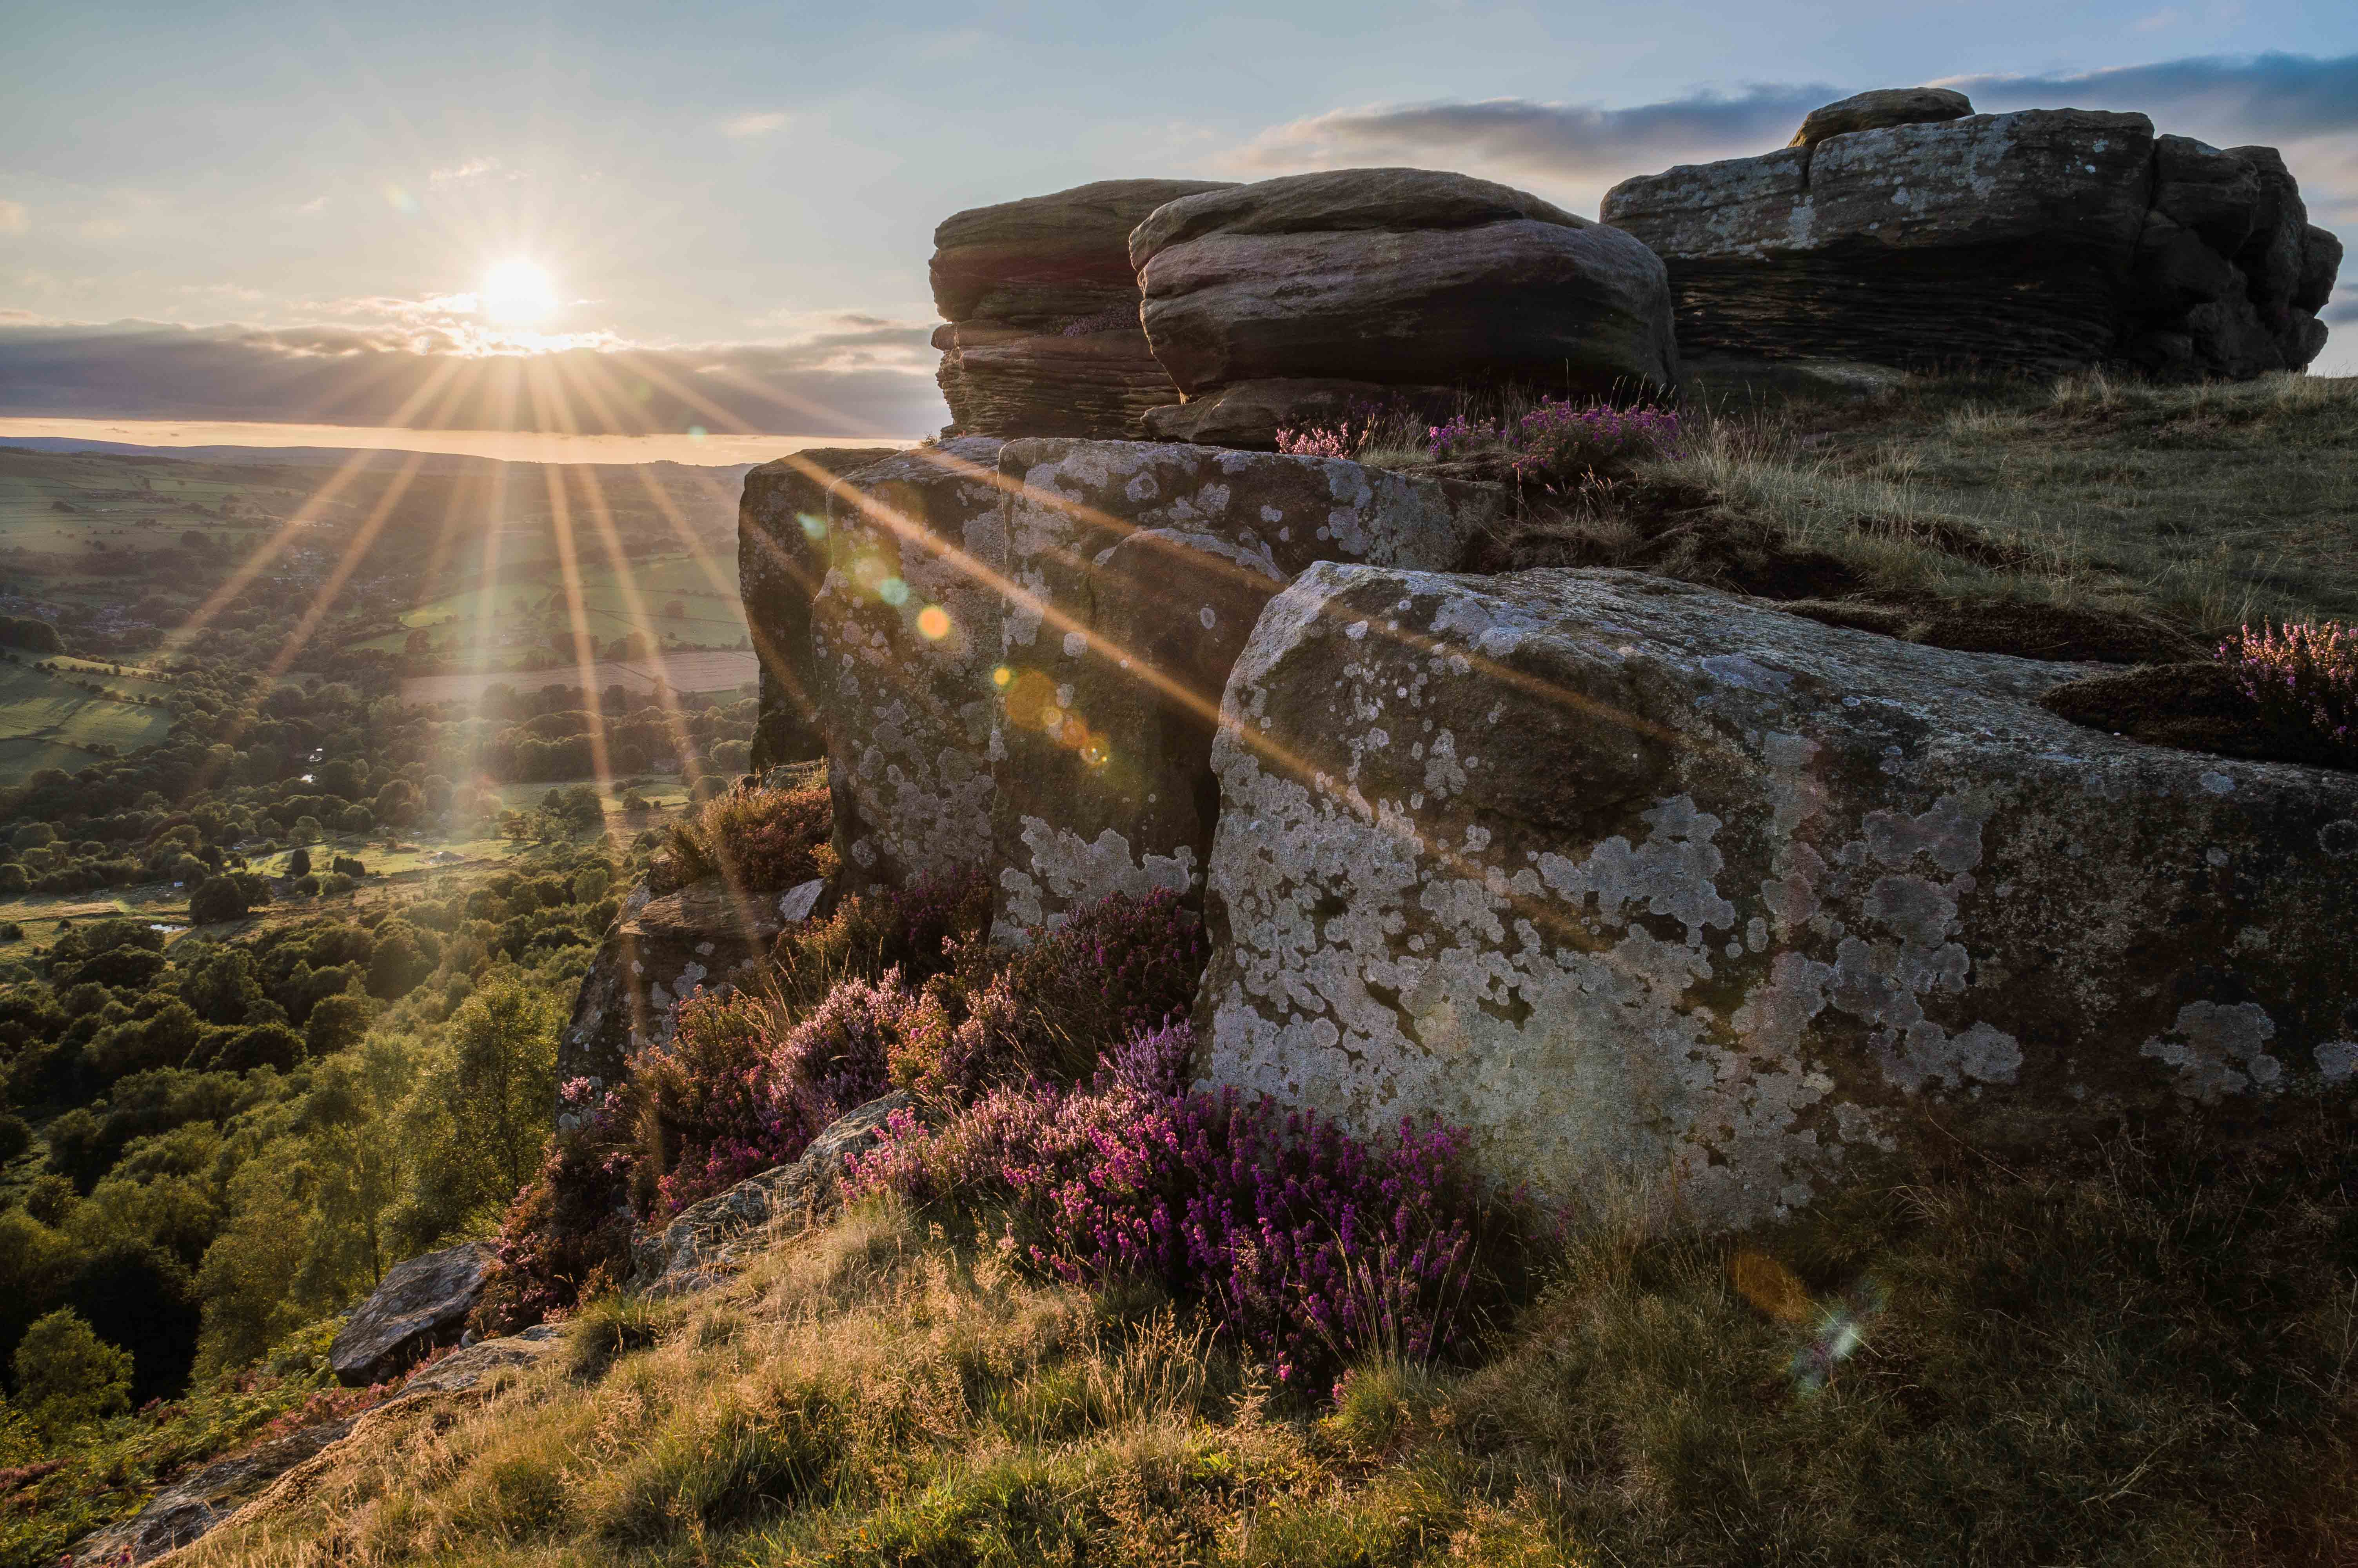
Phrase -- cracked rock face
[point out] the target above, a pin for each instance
(1907, 235)
(1136, 572)
(422, 1304)
(1660, 890)
(781, 560)
(1401, 277)
(659, 951)
(903, 635)
(1042, 306)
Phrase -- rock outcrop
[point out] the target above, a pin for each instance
(1398, 277)
(421, 1305)
(781, 560)
(1041, 310)
(705, 1241)
(1896, 232)
(1654, 888)
(1021, 647)
(205, 1498)
(659, 951)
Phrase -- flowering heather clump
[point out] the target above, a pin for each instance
(1118, 968)
(568, 1232)
(1560, 441)
(2302, 678)
(833, 1061)
(1308, 1243)
(917, 929)
(758, 839)
(1460, 436)
(1317, 441)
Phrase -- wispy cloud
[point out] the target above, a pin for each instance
(754, 125)
(866, 377)
(468, 170)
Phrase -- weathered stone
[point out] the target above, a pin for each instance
(1400, 278)
(1650, 887)
(705, 1241)
(1876, 109)
(1012, 382)
(2197, 186)
(1385, 201)
(659, 951)
(422, 1303)
(465, 1369)
(905, 634)
(1138, 569)
(1249, 414)
(781, 559)
(201, 1501)
(2043, 241)
(1042, 261)
(1043, 305)
(2320, 261)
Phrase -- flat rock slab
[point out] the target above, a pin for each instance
(707, 1240)
(1656, 888)
(422, 1303)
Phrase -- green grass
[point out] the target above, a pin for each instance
(714, 617)
(2139, 1352)
(45, 717)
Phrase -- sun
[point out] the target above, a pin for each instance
(518, 293)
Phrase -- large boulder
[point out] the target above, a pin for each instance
(1901, 229)
(1042, 306)
(1135, 572)
(781, 560)
(421, 1305)
(1398, 277)
(905, 634)
(1660, 890)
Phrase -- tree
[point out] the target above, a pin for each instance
(67, 1376)
(298, 864)
(220, 986)
(337, 1022)
(220, 899)
(503, 1043)
(399, 962)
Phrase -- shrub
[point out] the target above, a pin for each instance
(67, 1376)
(1310, 1245)
(759, 838)
(15, 1136)
(1559, 443)
(567, 1234)
(915, 929)
(220, 898)
(2302, 678)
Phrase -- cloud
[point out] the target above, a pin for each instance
(472, 168)
(865, 376)
(14, 217)
(759, 124)
(1571, 140)
(2279, 98)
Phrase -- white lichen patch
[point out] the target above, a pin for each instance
(1063, 871)
(2218, 1050)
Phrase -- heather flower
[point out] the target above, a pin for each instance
(2303, 679)
(1313, 441)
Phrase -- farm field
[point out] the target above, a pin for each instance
(46, 721)
(724, 671)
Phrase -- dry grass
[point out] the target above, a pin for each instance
(2138, 1354)
(2207, 506)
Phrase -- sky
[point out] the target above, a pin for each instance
(288, 211)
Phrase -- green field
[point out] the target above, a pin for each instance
(675, 593)
(47, 722)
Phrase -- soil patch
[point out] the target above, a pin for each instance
(2195, 707)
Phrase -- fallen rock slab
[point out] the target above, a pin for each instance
(1658, 890)
(421, 1305)
(708, 1240)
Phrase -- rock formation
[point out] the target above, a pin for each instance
(1021, 647)
(1894, 230)
(421, 1305)
(1042, 307)
(781, 556)
(1654, 888)
(1395, 279)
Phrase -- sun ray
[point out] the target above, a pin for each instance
(561, 531)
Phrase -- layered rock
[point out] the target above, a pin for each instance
(1658, 890)
(1042, 306)
(421, 1305)
(1896, 233)
(1134, 574)
(781, 560)
(1399, 278)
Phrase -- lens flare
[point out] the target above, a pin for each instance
(934, 622)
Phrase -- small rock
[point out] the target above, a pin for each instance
(1884, 106)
